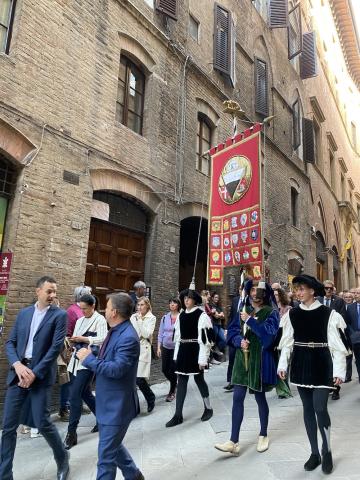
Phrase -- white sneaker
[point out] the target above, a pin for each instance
(228, 447)
(214, 362)
(263, 444)
(34, 433)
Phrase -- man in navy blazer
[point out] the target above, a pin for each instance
(116, 397)
(32, 349)
(353, 322)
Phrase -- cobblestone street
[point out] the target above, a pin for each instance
(187, 451)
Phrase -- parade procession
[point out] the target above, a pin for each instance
(179, 239)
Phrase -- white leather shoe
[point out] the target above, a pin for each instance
(228, 447)
(263, 444)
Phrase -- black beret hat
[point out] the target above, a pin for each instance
(310, 282)
(190, 294)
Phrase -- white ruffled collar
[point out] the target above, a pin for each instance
(313, 306)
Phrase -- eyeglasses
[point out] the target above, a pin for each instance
(329, 288)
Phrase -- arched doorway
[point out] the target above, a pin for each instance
(188, 239)
(117, 244)
(321, 258)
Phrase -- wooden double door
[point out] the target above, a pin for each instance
(115, 260)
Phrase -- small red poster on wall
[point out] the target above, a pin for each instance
(5, 266)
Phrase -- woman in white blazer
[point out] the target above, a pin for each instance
(144, 323)
(90, 331)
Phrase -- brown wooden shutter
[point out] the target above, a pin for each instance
(278, 13)
(222, 40)
(167, 7)
(308, 141)
(296, 124)
(294, 32)
(308, 63)
(261, 87)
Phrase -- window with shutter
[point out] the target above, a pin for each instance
(167, 7)
(233, 55)
(222, 40)
(278, 14)
(294, 32)
(296, 124)
(308, 141)
(261, 87)
(308, 63)
(7, 13)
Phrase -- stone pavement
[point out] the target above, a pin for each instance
(187, 451)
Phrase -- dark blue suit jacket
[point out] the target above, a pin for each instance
(352, 317)
(48, 342)
(117, 402)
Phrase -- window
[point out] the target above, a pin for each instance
(7, 10)
(261, 87)
(296, 124)
(130, 100)
(294, 206)
(194, 28)
(343, 191)
(203, 144)
(353, 135)
(294, 32)
(262, 7)
(7, 178)
(332, 169)
(317, 142)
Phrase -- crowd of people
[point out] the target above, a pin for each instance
(306, 335)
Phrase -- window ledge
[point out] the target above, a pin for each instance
(7, 58)
(204, 174)
(131, 132)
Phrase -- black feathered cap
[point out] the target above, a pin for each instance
(310, 282)
(190, 294)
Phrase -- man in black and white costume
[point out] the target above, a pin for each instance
(318, 362)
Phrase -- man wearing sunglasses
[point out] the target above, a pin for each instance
(336, 303)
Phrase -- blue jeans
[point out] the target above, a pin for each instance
(112, 454)
(80, 391)
(65, 396)
(38, 402)
(219, 337)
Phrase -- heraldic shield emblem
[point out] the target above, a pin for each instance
(235, 179)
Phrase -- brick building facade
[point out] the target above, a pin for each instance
(103, 109)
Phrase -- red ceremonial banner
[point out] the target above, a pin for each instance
(235, 236)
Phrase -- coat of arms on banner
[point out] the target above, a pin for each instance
(235, 179)
(235, 230)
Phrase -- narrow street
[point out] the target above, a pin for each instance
(187, 451)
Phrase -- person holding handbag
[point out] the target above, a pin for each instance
(144, 323)
(91, 329)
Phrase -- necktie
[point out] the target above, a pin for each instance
(328, 301)
(106, 341)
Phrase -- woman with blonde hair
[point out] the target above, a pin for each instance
(144, 323)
